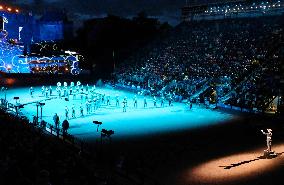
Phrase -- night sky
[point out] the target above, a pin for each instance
(165, 10)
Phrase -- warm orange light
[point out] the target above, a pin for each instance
(236, 167)
(9, 9)
(17, 10)
(1, 7)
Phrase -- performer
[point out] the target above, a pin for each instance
(94, 88)
(155, 101)
(268, 139)
(135, 101)
(117, 101)
(66, 112)
(124, 104)
(77, 89)
(73, 111)
(70, 90)
(95, 103)
(108, 100)
(31, 91)
(103, 98)
(72, 84)
(58, 93)
(58, 84)
(125, 99)
(162, 101)
(50, 90)
(74, 95)
(88, 107)
(81, 93)
(78, 83)
(188, 103)
(82, 88)
(65, 92)
(198, 101)
(145, 102)
(42, 90)
(46, 92)
(87, 87)
(81, 110)
(170, 101)
(65, 84)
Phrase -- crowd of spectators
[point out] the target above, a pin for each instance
(230, 55)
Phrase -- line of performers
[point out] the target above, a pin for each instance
(91, 105)
(93, 100)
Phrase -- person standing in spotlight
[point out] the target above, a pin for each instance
(268, 138)
(66, 112)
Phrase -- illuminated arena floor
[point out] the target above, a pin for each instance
(135, 122)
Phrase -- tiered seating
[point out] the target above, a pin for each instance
(232, 54)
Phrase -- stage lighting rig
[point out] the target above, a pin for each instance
(16, 98)
(98, 123)
(39, 104)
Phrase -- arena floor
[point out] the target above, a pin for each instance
(134, 122)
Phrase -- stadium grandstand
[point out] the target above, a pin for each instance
(225, 54)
